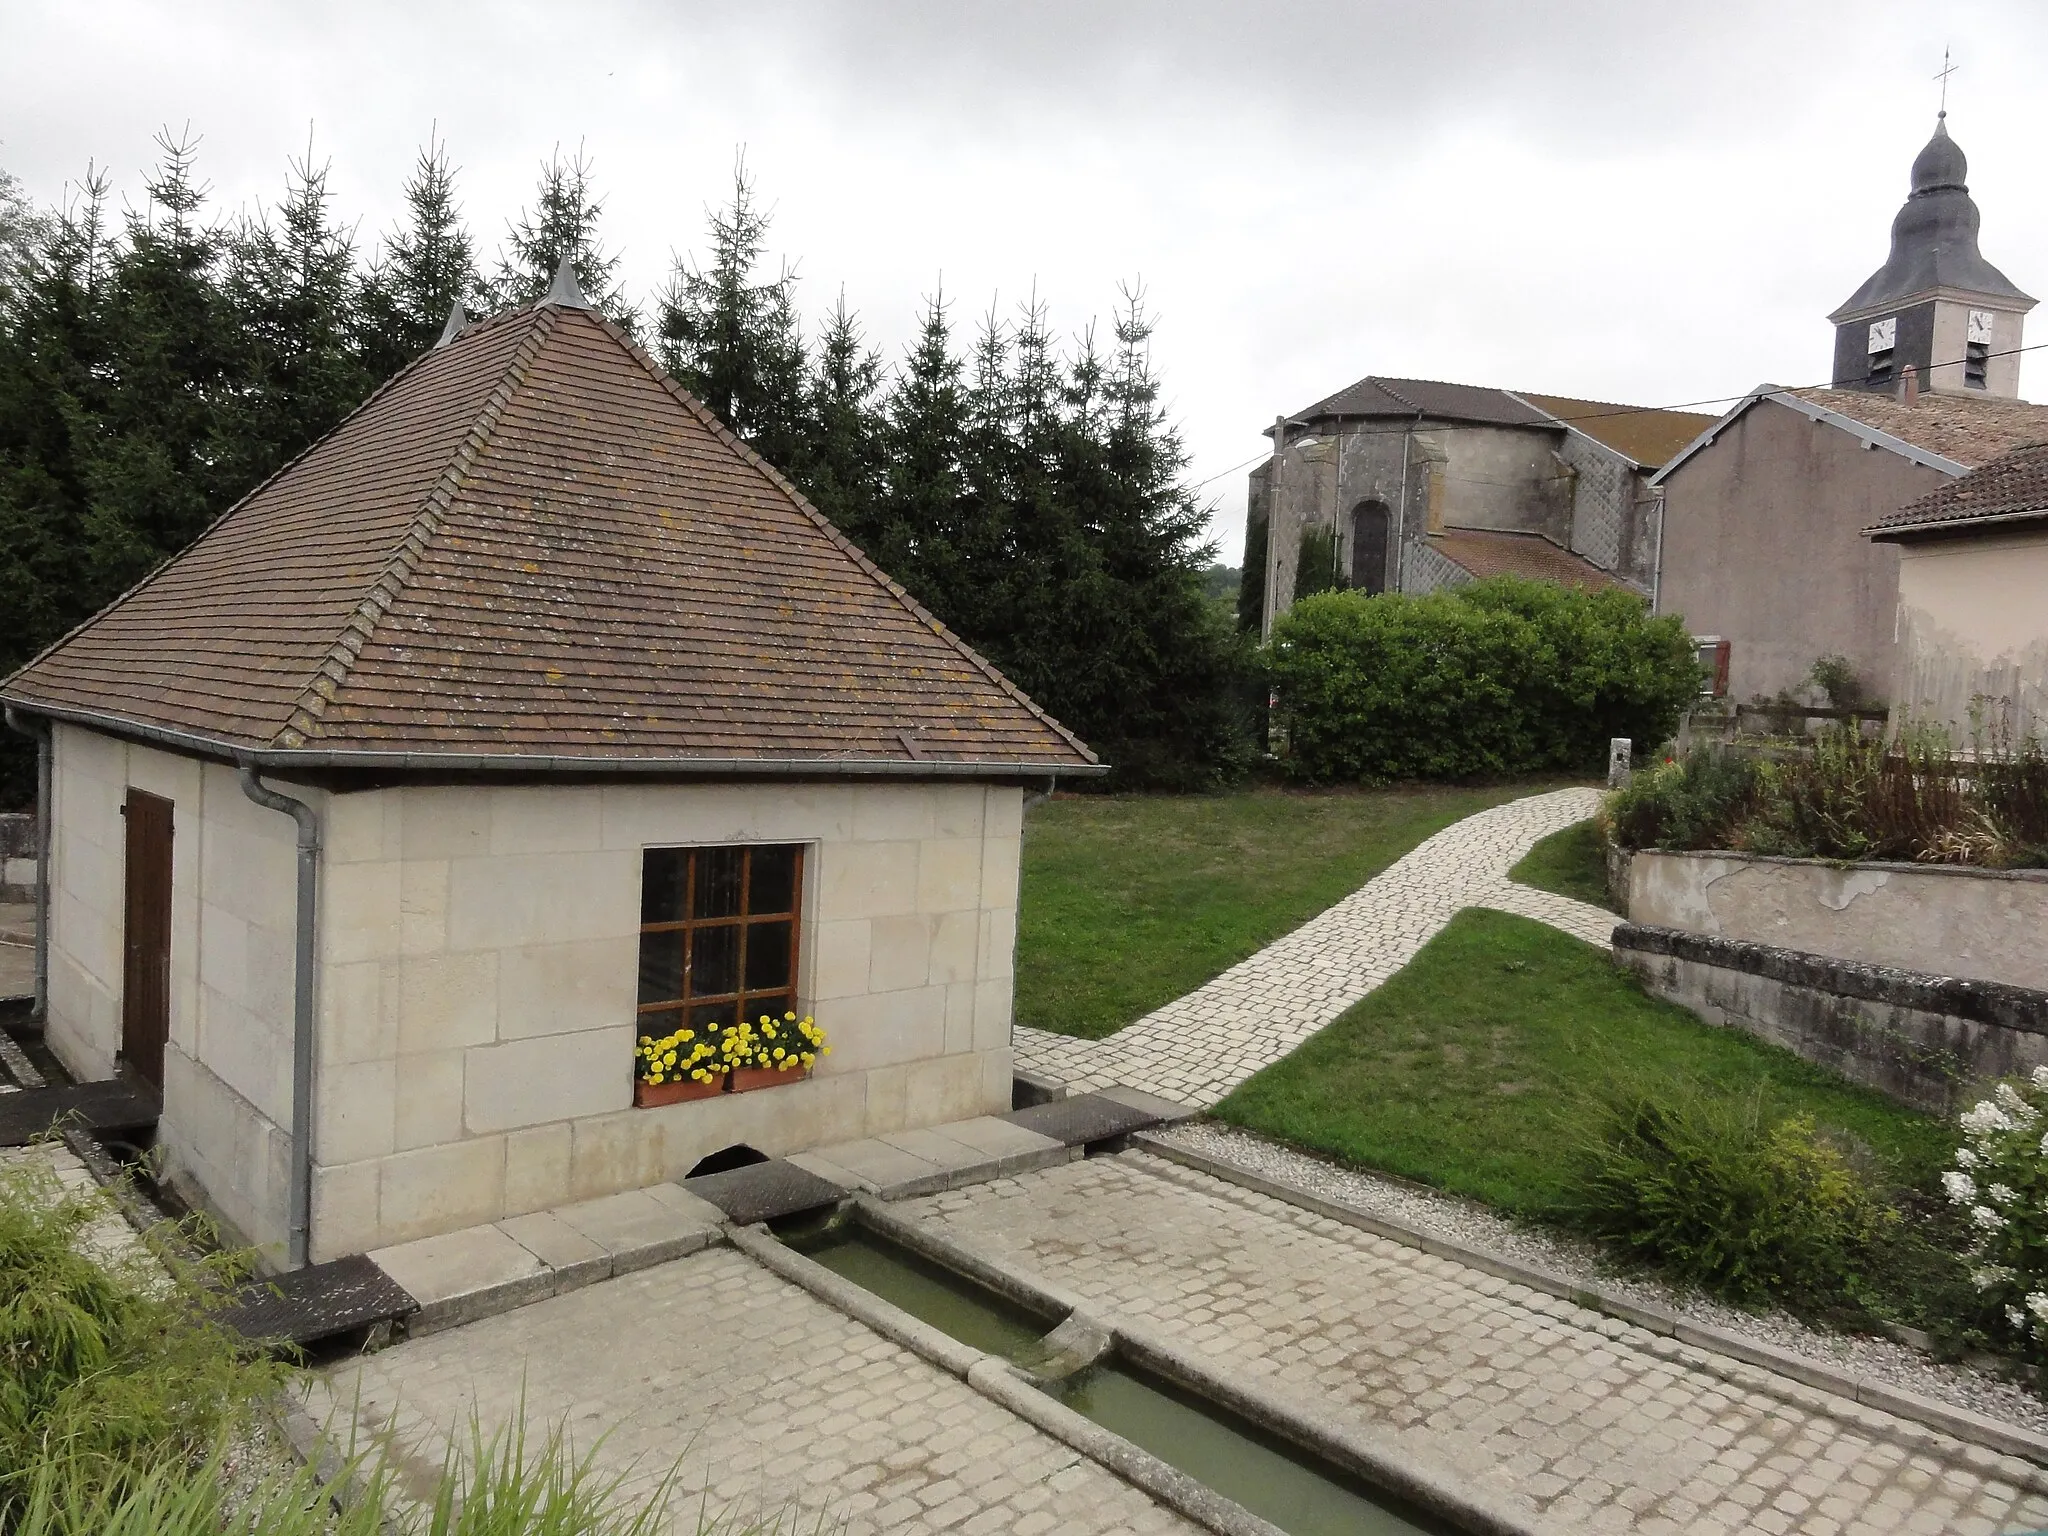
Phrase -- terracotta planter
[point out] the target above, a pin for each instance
(646, 1095)
(746, 1079)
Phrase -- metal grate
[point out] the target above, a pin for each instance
(317, 1302)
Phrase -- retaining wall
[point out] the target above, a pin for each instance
(1941, 920)
(1925, 1040)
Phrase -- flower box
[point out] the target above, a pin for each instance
(647, 1095)
(746, 1079)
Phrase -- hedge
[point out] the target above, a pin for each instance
(1501, 677)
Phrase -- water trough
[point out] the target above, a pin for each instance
(1233, 1459)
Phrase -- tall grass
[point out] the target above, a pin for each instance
(1915, 799)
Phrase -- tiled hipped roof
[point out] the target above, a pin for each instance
(2012, 488)
(532, 543)
(1966, 428)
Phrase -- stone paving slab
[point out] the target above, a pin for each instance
(1587, 1421)
(765, 1191)
(765, 1399)
(1198, 1047)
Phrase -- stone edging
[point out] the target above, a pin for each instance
(1887, 866)
(1805, 1383)
(1996, 1003)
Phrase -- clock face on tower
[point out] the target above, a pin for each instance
(1980, 327)
(1883, 333)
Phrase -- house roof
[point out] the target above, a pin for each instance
(2012, 488)
(531, 549)
(1645, 437)
(1408, 398)
(1484, 553)
(1948, 432)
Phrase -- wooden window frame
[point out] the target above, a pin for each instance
(744, 919)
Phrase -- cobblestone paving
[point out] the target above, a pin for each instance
(1594, 1424)
(776, 1404)
(1200, 1046)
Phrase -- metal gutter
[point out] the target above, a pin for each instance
(45, 783)
(300, 1208)
(290, 760)
(1934, 528)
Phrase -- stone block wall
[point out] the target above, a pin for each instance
(227, 1064)
(1939, 919)
(477, 1003)
(1931, 1042)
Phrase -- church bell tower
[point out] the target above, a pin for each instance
(1936, 305)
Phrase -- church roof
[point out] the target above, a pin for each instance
(1646, 437)
(1409, 398)
(2012, 488)
(1934, 239)
(533, 550)
(1486, 552)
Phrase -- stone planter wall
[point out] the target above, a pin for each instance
(1926, 1041)
(1991, 925)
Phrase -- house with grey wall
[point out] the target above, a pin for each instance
(1413, 484)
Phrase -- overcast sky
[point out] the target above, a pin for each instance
(1644, 202)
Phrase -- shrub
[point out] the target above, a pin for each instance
(2001, 1181)
(1500, 677)
(1710, 1191)
(1683, 803)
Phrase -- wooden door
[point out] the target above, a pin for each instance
(146, 938)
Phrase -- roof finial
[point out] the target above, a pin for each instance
(565, 290)
(458, 321)
(1947, 69)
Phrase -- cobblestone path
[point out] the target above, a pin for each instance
(775, 1403)
(1593, 1424)
(1200, 1046)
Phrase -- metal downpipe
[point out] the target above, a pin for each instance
(299, 1220)
(38, 731)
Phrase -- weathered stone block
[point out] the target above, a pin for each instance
(542, 898)
(899, 953)
(439, 1189)
(551, 989)
(949, 875)
(549, 1077)
(840, 958)
(355, 1117)
(429, 1100)
(447, 1001)
(867, 879)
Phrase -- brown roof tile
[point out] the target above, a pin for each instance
(1969, 429)
(1486, 553)
(1649, 438)
(2010, 488)
(533, 543)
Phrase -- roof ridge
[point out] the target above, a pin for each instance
(219, 522)
(332, 672)
(825, 525)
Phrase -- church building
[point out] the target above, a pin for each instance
(1407, 485)
(1764, 514)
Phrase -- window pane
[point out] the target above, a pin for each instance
(714, 961)
(661, 884)
(718, 882)
(661, 967)
(767, 956)
(663, 1021)
(774, 884)
(774, 1005)
(714, 1016)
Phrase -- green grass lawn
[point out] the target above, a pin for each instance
(1571, 863)
(1479, 1069)
(1131, 900)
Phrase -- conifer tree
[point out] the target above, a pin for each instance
(846, 459)
(924, 430)
(427, 265)
(731, 336)
(291, 295)
(562, 222)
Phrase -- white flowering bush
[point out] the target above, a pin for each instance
(2000, 1183)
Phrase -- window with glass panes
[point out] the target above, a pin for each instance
(718, 935)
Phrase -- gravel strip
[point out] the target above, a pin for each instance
(1897, 1365)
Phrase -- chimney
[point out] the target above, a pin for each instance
(1909, 384)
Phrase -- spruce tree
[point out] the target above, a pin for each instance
(923, 432)
(426, 266)
(846, 459)
(291, 300)
(731, 336)
(562, 222)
